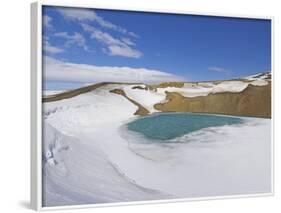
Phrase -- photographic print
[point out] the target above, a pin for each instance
(149, 106)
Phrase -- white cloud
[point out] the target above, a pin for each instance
(124, 51)
(101, 36)
(114, 46)
(56, 70)
(219, 69)
(128, 41)
(133, 34)
(47, 21)
(77, 14)
(47, 47)
(75, 39)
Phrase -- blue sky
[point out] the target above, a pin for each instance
(83, 46)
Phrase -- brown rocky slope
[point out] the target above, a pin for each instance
(253, 101)
(141, 110)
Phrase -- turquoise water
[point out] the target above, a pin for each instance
(172, 125)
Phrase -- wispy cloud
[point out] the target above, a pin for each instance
(75, 39)
(47, 21)
(47, 47)
(82, 15)
(56, 70)
(124, 51)
(219, 69)
(113, 45)
(77, 14)
(128, 41)
(133, 34)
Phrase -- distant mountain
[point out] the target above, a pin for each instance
(259, 76)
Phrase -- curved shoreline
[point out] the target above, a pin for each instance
(149, 155)
(96, 117)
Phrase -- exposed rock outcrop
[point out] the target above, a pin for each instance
(79, 91)
(72, 93)
(253, 101)
(250, 96)
(140, 87)
(141, 110)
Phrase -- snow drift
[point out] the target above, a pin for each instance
(88, 156)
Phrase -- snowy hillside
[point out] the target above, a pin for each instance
(260, 76)
(47, 93)
(87, 156)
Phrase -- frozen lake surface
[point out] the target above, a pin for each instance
(171, 125)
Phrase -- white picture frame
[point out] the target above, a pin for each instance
(36, 105)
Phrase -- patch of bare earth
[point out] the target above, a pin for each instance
(79, 91)
(253, 101)
(141, 110)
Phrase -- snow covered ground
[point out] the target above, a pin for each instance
(148, 98)
(89, 158)
(211, 88)
(51, 92)
(259, 76)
